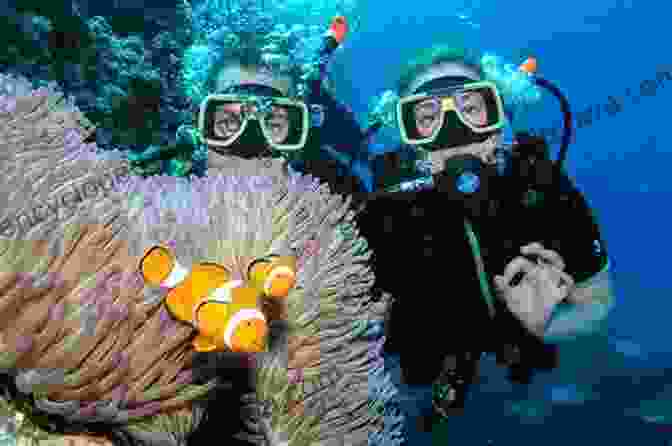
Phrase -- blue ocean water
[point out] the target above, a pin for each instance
(592, 51)
(611, 388)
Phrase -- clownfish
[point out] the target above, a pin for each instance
(529, 66)
(225, 312)
(339, 28)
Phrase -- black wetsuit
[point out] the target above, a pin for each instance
(339, 136)
(423, 256)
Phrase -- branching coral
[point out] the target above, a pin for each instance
(112, 76)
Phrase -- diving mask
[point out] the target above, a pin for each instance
(476, 105)
(284, 123)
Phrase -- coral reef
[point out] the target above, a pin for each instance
(128, 84)
(245, 31)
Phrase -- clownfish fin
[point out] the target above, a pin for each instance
(156, 265)
(212, 319)
(208, 277)
(180, 303)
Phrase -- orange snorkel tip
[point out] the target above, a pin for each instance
(529, 66)
(339, 28)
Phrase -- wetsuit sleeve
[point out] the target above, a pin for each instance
(392, 168)
(577, 237)
(340, 128)
(382, 220)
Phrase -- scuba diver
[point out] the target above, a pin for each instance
(487, 220)
(255, 113)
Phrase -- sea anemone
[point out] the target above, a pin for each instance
(85, 342)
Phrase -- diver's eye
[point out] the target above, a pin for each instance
(429, 107)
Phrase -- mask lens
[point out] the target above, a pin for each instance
(225, 120)
(284, 124)
(478, 107)
(422, 118)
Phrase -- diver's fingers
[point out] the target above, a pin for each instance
(516, 266)
(564, 281)
(547, 255)
(500, 284)
(531, 248)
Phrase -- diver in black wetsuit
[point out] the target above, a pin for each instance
(498, 252)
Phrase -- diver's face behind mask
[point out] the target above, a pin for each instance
(244, 123)
(458, 121)
(441, 115)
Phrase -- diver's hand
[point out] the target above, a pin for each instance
(543, 286)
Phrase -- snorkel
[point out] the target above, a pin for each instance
(530, 67)
(333, 38)
(317, 73)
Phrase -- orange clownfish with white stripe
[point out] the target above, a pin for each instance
(224, 311)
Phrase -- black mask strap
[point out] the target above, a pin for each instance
(443, 82)
(254, 90)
